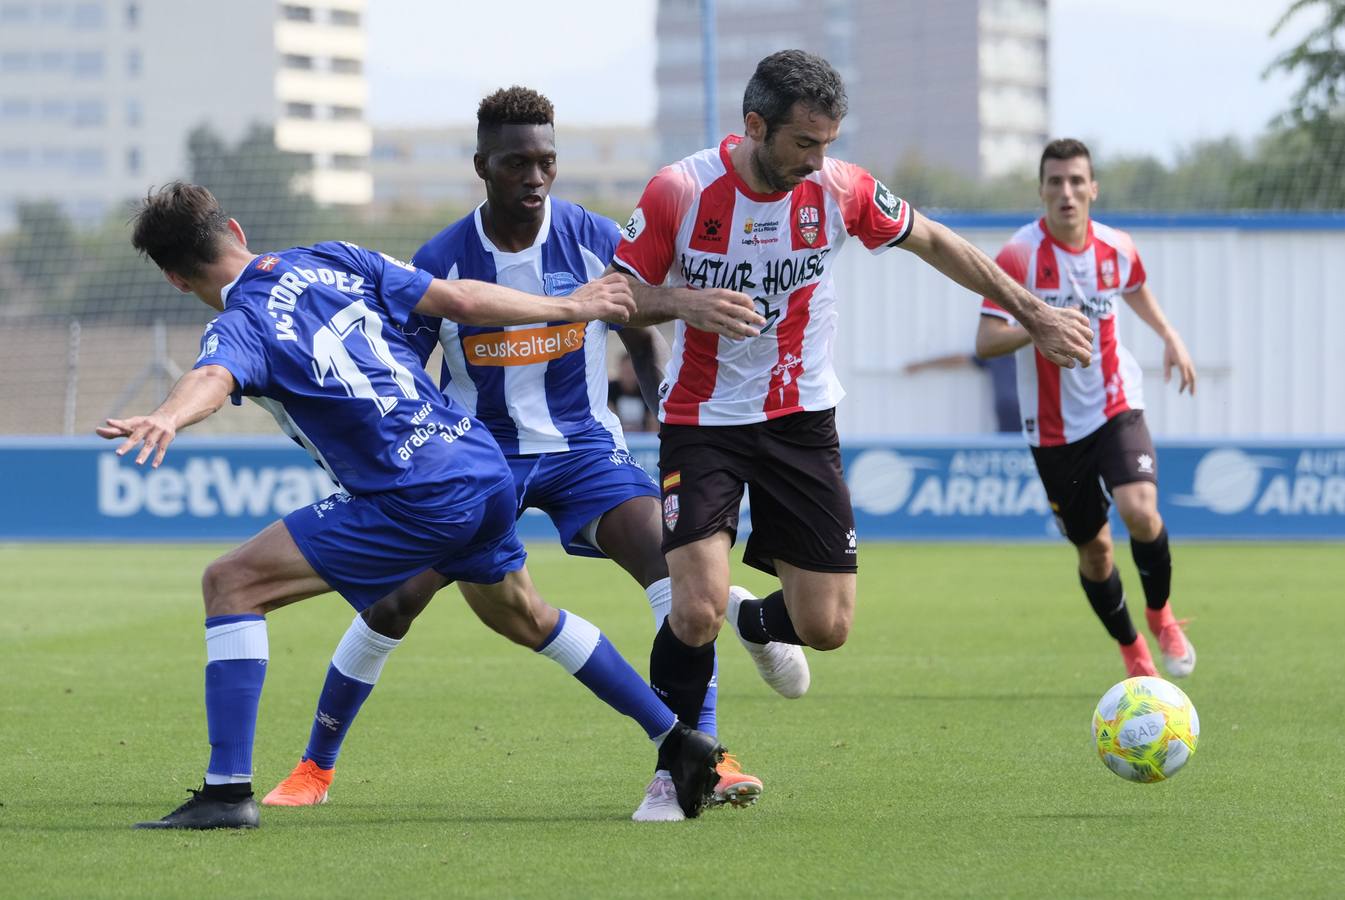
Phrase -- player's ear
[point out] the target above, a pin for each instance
(755, 127)
(237, 231)
(178, 282)
(479, 163)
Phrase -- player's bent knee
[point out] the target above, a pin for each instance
(826, 632)
(223, 588)
(827, 637)
(696, 623)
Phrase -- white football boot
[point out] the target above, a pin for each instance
(660, 802)
(782, 666)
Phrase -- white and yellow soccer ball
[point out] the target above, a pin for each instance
(1145, 729)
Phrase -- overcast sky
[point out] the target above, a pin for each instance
(1131, 77)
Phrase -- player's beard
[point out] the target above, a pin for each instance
(768, 169)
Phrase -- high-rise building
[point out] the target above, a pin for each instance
(97, 97)
(958, 84)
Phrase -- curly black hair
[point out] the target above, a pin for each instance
(513, 106)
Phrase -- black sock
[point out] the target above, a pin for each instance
(680, 675)
(1155, 565)
(766, 620)
(1109, 602)
(229, 793)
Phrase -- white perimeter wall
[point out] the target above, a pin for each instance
(1262, 312)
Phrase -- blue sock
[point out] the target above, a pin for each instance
(341, 700)
(236, 655)
(709, 720)
(584, 652)
(355, 667)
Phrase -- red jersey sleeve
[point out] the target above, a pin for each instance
(1013, 260)
(1137, 274)
(872, 213)
(649, 239)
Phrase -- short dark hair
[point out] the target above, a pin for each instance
(792, 76)
(1063, 148)
(180, 227)
(513, 106)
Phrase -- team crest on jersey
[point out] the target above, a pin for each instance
(267, 263)
(1107, 272)
(809, 224)
(670, 511)
(559, 284)
(885, 200)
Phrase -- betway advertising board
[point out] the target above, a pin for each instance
(956, 489)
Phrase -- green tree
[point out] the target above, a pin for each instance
(44, 243)
(1320, 59)
(1303, 159)
(255, 183)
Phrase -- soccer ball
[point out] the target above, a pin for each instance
(1145, 729)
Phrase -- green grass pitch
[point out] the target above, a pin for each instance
(944, 751)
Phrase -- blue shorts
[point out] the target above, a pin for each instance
(577, 486)
(365, 547)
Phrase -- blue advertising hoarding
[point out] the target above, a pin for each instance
(951, 489)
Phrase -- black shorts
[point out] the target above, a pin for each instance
(1074, 475)
(791, 467)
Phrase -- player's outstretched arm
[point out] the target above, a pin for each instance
(649, 355)
(996, 337)
(1062, 335)
(723, 312)
(1145, 305)
(196, 395)
(482, 303)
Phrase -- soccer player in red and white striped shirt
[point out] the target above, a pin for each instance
(1086, 426)
(736, 243)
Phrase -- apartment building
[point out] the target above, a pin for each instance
(97, 97)
(961, 84)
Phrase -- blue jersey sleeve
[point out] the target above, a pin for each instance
(231, 341)
(422, 331)
(400, 285)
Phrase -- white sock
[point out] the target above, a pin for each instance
(574, 643)
(362, 652)
(660, 600)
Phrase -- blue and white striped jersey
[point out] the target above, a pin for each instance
(538, 388)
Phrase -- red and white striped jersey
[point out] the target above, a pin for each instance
(1060, 406)
(699, 225)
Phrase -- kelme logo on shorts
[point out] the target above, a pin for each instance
(524, 347)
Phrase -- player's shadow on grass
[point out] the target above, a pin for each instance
(869, 695)
(1085, 816)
